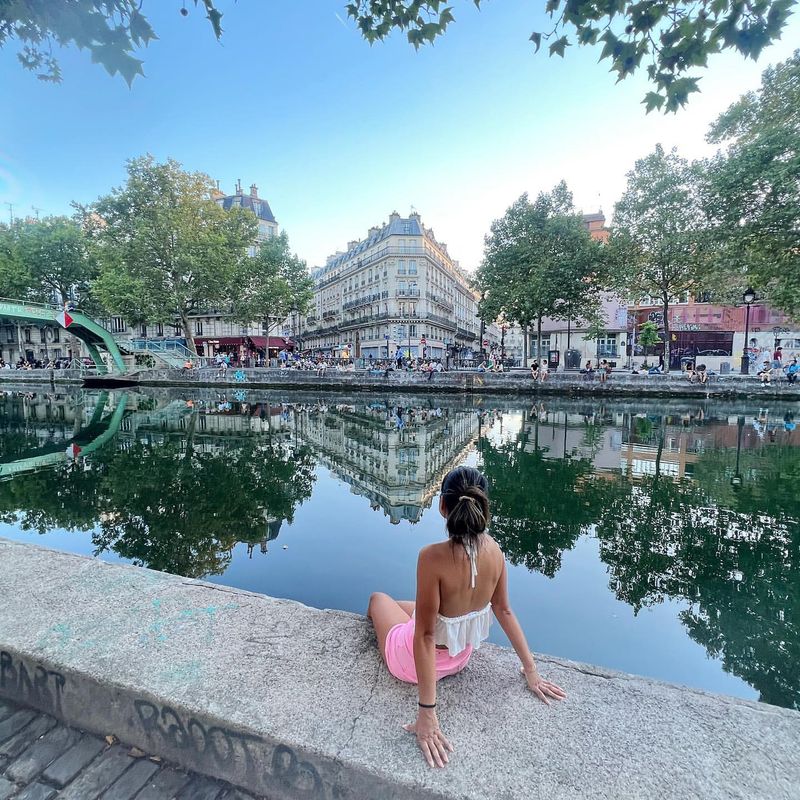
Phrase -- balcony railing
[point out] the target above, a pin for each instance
(407, 293)
(445, 322)
(439, 300)
(607, 352)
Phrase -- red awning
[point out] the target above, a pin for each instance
(274, 341)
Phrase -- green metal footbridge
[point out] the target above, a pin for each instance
(94, 336)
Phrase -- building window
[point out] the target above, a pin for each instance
(401, 267)
(9, 334)
(144, 331)
(117, 324)
(27, 335)
(607, 346)
(43, 335)
(412, 330)
(412, 267)
(159, 329)
(198, 328)
(178, 330)
(56, 334)
(545, 346)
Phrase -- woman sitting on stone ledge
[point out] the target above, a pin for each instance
(459, 583)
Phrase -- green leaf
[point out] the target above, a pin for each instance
(559, 46)
(653, 100)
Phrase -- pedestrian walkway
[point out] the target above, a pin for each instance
(41, 759)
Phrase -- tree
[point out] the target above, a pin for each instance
(648, 336)
(540, 261)
(47, 261)
(753, 186)
(272, 283)
(109, 29)
(675, 38)
(166, 249)
(658, 244)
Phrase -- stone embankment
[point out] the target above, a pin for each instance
(291, 702)
(514, 382)
(620, 384)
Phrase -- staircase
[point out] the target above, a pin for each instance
(170, 353)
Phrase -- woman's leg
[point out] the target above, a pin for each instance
(385, 612)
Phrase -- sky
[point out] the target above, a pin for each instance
(337, 134)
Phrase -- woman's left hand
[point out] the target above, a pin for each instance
(541, 688)
(430, 738)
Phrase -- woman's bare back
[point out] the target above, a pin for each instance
(452, 567)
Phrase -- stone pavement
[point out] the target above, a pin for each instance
(43, 759)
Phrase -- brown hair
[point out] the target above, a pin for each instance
(464, 492)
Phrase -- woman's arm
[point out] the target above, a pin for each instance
(430, 738)
(511, 627)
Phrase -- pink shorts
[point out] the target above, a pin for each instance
(400, 655)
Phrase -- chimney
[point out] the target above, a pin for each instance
(253, 190)
(393, 216)
(238, 186)
(351, 245)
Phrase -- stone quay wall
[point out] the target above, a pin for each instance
(293, 703)
(513, 382)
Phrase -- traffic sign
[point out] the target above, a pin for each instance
(423, 340)
(485, 342)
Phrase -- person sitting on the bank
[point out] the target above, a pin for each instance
(188, 365)
(535, 369)
(702, 373)
(792, 371)
(460, 582)
(765, 373)
(482, 367)
(603, 371)
(544, 370)
(690, 373)
(588, 371)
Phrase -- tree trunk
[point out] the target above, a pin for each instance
(539, 338)
(187, 332)
(666, 333)
(525, 346)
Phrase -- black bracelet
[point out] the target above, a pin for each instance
(426, 705)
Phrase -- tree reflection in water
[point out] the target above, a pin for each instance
(732, 553)
(168, 506)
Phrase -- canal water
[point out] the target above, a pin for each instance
(656, 537)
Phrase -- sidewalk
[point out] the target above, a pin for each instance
(43, 759)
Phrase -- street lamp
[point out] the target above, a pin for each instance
(748, 298)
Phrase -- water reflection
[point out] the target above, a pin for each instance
(690, 504)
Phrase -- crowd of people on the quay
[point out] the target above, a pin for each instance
(28, 364)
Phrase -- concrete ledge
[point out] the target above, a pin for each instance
(292, 702)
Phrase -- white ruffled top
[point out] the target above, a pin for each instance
(471, 628)
(458, 632)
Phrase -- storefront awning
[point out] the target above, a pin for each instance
(225, 341)
(274, 341)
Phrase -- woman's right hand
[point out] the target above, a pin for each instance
(541, 688)
(430, 738)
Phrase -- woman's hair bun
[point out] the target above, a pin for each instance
(464, 492)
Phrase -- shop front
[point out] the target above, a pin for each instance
(246, 351)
